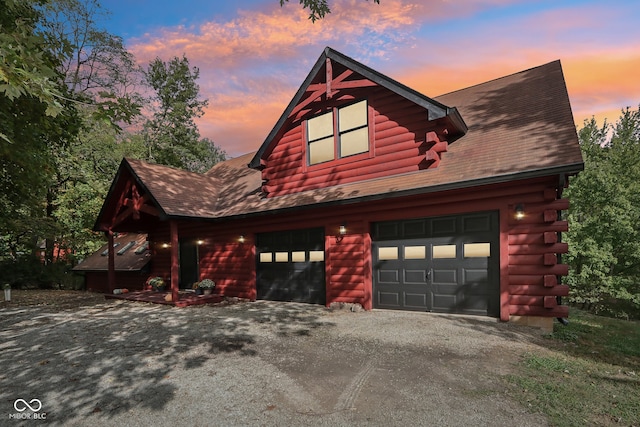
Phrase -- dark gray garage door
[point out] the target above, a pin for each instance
(291, 266)
(444, 264)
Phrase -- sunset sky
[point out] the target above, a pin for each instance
(253, 55)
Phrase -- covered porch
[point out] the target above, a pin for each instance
(143, 198)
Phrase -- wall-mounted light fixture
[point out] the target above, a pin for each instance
(342, 230)
(165, 245)
(519, 211)
(241, 239)
(199, 242)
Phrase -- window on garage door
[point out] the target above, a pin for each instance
(291, 266)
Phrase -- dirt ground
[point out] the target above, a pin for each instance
(106, 363)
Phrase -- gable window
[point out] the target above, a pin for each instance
(342, 132)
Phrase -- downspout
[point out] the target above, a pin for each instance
(562, 180)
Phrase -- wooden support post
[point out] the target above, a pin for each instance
(175, 262)
(111, 269)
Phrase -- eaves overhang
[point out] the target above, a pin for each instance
(566, 170)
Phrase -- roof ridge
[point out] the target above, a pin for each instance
(498, 78)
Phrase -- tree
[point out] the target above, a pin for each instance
(36, 115)
(604, 234)
(26, 68)
(97, 68)
(89, 163)
(317, 8)
(171, 135)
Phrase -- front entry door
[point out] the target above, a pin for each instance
(189, 269)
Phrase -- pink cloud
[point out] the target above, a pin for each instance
(253, 64)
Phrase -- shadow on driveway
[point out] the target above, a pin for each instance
(112, 357)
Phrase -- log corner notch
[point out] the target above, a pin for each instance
(437, 144)
(535, 257)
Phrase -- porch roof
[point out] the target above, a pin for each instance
(133, 258)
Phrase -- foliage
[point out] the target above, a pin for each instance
(317, 8)
(156, 281)
(36, 117)
(604, 234)
(88, 165)
(28, 271)
(171, 135)
(26, 68)
(590, 375)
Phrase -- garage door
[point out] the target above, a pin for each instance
(291, 266)
(444, 264)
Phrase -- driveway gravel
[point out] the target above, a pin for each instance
(118, 363)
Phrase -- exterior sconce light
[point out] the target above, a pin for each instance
(199, 242)
(241, 239)
(519, 211)
(165, 245)
(342, 230)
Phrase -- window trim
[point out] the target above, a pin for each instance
(337, 158)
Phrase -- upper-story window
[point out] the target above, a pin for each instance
(342, 132)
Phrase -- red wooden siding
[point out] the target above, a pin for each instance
(529, 267)
(347, 264)
(400, 144)
(231, 264)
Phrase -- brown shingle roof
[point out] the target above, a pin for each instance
(178, 192)
(127, 261)
(520, 126)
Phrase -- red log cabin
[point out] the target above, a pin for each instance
(366, 191)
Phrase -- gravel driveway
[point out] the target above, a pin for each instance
(122, 363)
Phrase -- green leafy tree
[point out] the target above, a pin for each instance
(26, 67)
(36, 116)
(89, 163)
(101, 78)
(171, 135)
(317, 8)
(604, 235)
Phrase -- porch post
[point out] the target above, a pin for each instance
(111, 269)
(175, 262)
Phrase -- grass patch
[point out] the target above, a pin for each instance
(590, 377)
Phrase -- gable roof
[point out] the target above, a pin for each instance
(435, 110)
(178, 192)
(134, 258)
(519, 126)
